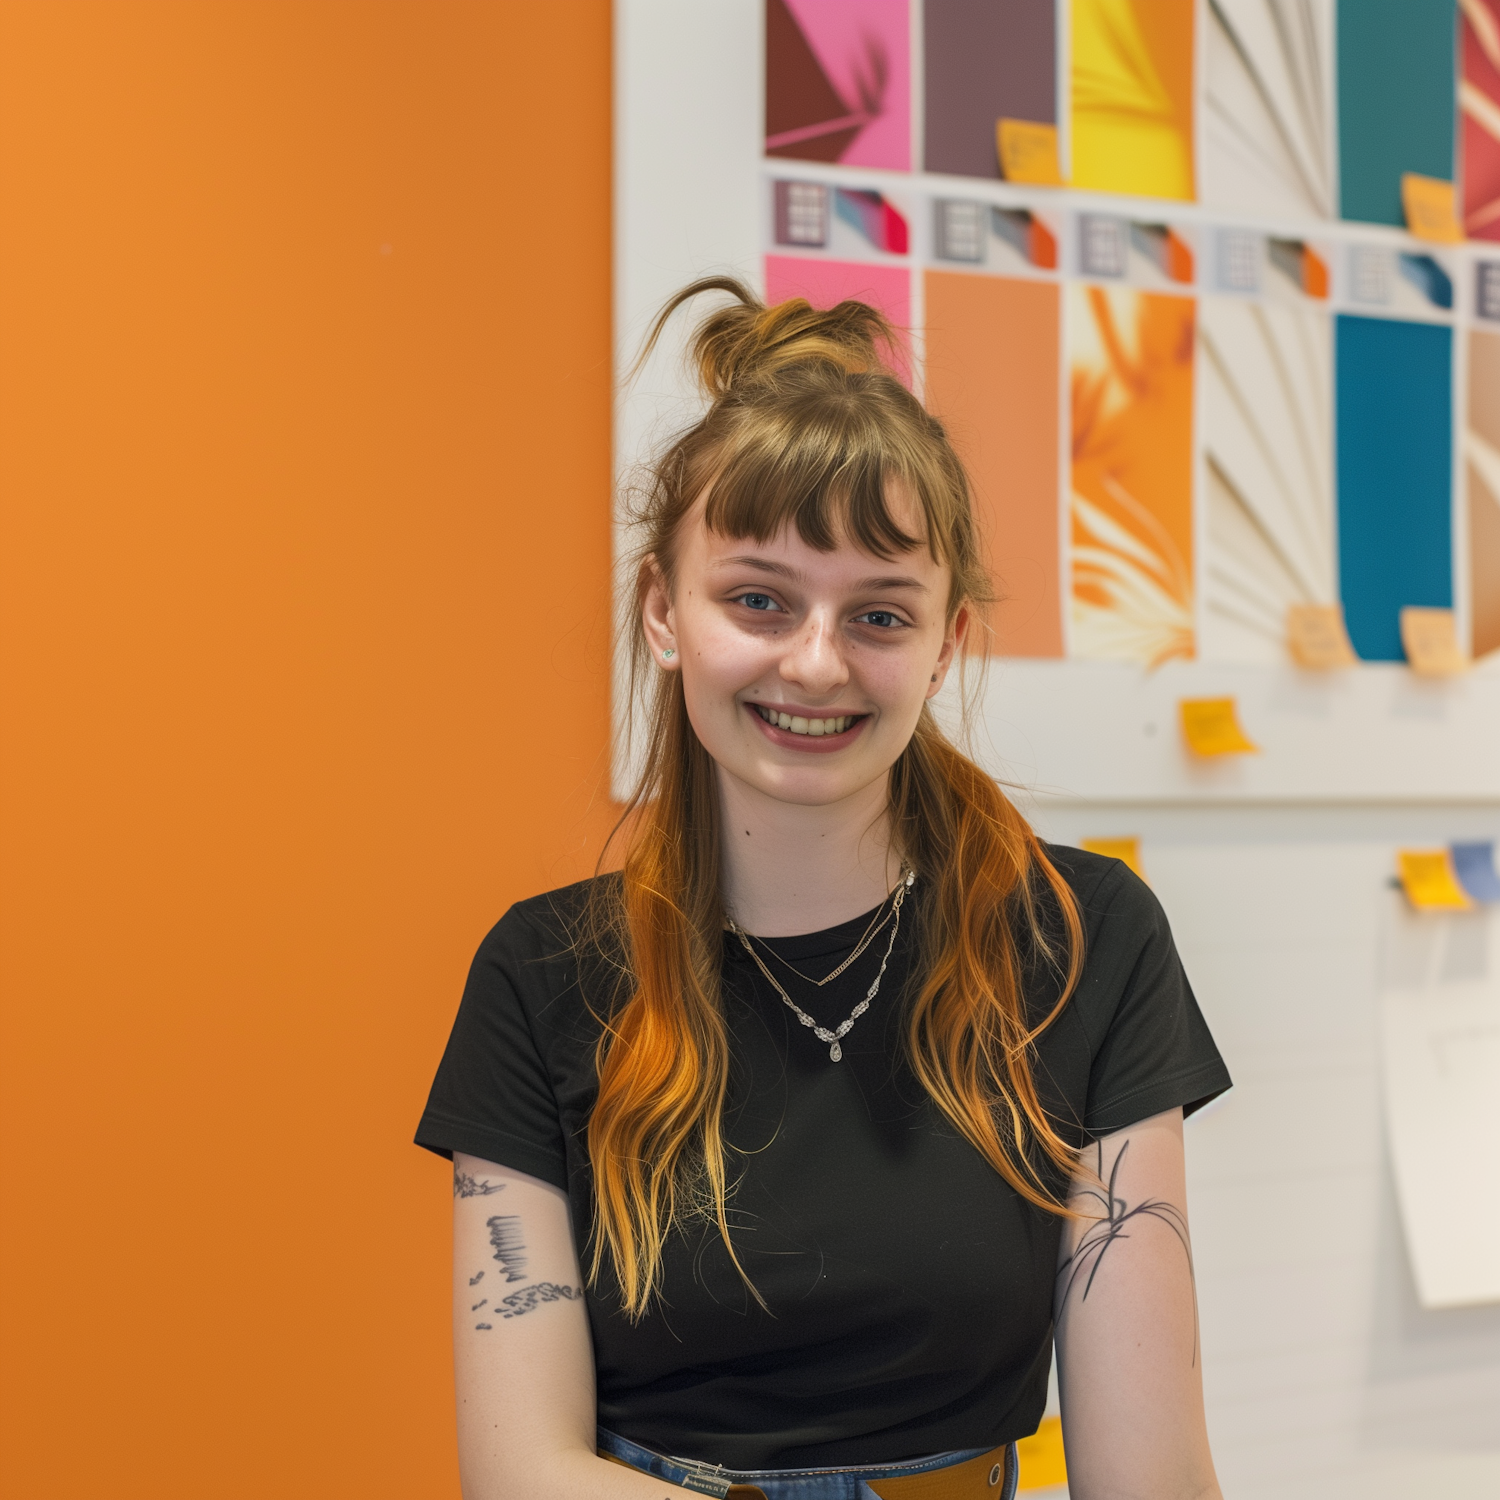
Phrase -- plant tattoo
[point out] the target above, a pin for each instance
(505, 1236)
(1088, 1254)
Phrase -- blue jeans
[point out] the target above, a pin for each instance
(805, 1484)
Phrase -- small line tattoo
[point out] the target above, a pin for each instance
(1093, 1245)
(475, 1280)
(466, 1185)
(505, 1236)
(479, 1304)
(532, 1297)
(485, 1326)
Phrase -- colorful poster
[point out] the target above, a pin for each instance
(1396, 101)
(1479, 101)
(1130, 370)
(1394, 440)
(838, 81)
(1482, 462)
(1265, 425)
(992, 351)
(984, 63)
(1267, 107)
(1132, 110)
(826, 283)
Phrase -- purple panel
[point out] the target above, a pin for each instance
(986, 59)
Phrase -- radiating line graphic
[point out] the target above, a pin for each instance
(1265, 424)
(1267, 123)
(1130, 365)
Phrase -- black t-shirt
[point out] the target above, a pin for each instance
(909, 1286)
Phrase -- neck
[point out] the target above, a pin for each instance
(790, 869)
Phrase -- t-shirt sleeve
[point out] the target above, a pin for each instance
(493, 1097)
(1153, 1049)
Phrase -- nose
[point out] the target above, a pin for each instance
(814, 659)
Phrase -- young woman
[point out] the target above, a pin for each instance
(783, 1157)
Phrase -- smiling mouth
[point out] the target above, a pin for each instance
(815, 728)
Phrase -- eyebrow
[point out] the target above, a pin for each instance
(781, 570)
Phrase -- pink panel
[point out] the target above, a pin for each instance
(865, 49)
(827, 282)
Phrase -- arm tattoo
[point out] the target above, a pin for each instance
(1094, 1243)
(531, 1297)
(505, 1236)
(475, 1280)
(466, 1185)
(528, 1299)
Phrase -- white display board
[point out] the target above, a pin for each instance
(693, 197)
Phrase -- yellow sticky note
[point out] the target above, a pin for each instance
(1028, 152)
(1430, 640)
(1316, 637)
(1042, 1462)
(1431, 209)
(1211, 726)
(1127, 850)
(1430, 881)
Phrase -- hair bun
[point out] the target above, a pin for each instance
(747, 342)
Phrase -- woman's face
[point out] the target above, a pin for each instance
(804, 672)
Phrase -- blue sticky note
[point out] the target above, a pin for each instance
(1474, 864)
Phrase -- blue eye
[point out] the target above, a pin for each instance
(883, 618)
(758, 601)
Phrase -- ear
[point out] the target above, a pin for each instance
(657, 615)
(953, 641)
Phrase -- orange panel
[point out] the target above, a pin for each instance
(304, 445)
(992, 378)
(1130, 357)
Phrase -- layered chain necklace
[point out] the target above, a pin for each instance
(835, 1038)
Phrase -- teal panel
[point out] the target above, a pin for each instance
(1397, 70)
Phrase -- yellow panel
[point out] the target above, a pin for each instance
(1132, 119)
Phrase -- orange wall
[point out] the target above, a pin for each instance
(304, 404)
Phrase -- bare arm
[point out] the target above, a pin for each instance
(522, 1356)
(1127, 1324)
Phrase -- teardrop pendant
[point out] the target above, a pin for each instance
(835, 1053)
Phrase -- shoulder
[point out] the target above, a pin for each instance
(550, 948)
(551, 924)
(1117, 908)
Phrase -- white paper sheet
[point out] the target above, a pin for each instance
(1440, 1040)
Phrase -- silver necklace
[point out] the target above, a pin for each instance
(877, 925)
(823, 1034)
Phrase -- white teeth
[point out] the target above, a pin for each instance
(799, 725)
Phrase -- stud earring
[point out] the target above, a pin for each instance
(934, 676)
(669, 653)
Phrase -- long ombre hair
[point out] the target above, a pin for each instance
(808, 426)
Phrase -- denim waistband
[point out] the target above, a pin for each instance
(844, 1483)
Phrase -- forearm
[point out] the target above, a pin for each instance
(1127, 1326)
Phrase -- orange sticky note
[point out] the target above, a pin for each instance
(1430, 640)
(1028, 152)
(1430, 881)
(1431, 209)
(1211, 726)
(1127, 851)
(1043, 1463)
(1316, 637)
